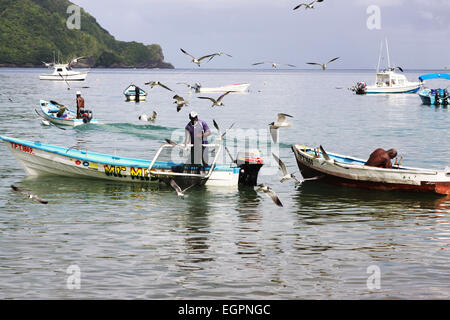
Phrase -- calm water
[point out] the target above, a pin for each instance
(143, 242)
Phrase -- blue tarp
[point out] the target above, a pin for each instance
(434, 76)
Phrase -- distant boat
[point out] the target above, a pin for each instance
(387, 80)
(130, 93)
(239, 87)
(437, 96)
(63, 72)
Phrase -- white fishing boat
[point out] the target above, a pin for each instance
(239, 87)
(64, 72)
(134, 93)
(387, 80)
(46, 160)
(53, 112)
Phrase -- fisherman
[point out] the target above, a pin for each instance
(381, 158)
(197, 132)
(80, 105)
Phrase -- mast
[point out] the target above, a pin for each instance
(387, 50)
(379, 56)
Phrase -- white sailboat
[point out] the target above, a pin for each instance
(387, 80)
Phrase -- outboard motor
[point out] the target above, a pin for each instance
(437, 97)
(87, 116)
(250, 162)
(445, 97)
(360, 88)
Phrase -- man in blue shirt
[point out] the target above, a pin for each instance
(197, 132)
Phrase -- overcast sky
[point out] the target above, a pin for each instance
(261, 30)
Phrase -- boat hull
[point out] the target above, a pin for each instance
(79, 76)
(381, 90)
(351, 172)
(45, 160)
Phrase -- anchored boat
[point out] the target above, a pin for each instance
(347, 171)
(63, 72)
(134, 93)
(54, 113)
(437, 96)
(42, 160)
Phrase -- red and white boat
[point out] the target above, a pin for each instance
(239, 87)
(346, 171)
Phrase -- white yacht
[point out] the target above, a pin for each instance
(64, 72)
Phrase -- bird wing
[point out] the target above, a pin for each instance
(178, 98)
(399, 68)
(301, 4)
(254, 64)
(324, 153)
(332, 60)
(209, 55)
(154, 115)
(282, 117)
(187, 53)
(175, 186)
(274, 134)
(31, 196)
(221, 97)
(280, 164)
(319, 64)
(164, 86)
(273, 196)
(216, 125)
(212, 99)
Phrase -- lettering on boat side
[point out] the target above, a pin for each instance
(132, 172)
(305, 159)
(21, 147)
(114, 171)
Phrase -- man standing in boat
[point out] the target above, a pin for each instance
(80, 105)
(381, 158)
(197, 132)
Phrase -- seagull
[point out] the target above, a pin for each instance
(324, 65)
(157, 83)
(274, 64)
(280, 123)
(286, 174)
(177, 188)
(180, 102)
(217, 102)
(218, 129)
(399, 68)
(29, 195)
(197, 60)
(48, 64)
(270, 193)
(73, 61)
(144, 117)
(307, 5)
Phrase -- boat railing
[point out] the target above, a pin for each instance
(202, 176)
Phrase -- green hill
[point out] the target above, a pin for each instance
(32, 30)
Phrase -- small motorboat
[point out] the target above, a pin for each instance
(239, 87)
(134, 93)
(63, 72)
(347, 171)
(45, 160)
(387, 80)
(437, 96)
(53, 112)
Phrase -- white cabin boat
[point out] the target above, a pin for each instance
(63, 72)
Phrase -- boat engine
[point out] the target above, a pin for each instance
(437, 97)
(249, 162)
(87, 116)
(360, 88)
(445, 97)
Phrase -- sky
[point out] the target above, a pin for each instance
(270, 30)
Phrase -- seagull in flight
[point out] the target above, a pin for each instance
(218, 129)
(307, 5)
(323, 65)
(197, 60)
(217, 102)
(180, 102)
(29, 195)
(177, 188)
(157, 83)
(73, 61)
(144, 117)
(280, 123)
(286, 174)
(270, 193)
(274, 64)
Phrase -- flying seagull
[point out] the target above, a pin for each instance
(197, 60)
(217, 102)
(324, 65)
(286, 174)
(274, 64)
(144, 117)
(218, 129)
(73, 61)
(270, 193)
(177, 188)
(29, 195)
(280, 123)
(393, 68)
(307, 5)
(180, 102)
(157, 83)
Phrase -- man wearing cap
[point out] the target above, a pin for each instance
(80, 105)
(197, 132)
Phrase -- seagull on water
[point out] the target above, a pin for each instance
(323, 65)
(177, 188)
(270, 193)
(144, 117)
(180, 102)
(157, 83)
(29, 195)
(217, 102)
(197, 60)
(274, 64)
(307, 5)
(280, 123)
